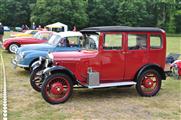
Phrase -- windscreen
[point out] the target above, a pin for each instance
(54, 40)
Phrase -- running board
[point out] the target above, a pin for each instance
(113, 84)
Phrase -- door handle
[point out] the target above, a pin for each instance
(123, 52)
(126, 52)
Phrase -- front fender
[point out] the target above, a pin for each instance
(29, 61)
(54, 68)
(32, 56)
(35, 54)
(59, 69)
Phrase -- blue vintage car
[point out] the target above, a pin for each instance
(59, 42)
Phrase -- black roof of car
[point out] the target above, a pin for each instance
(121, 29)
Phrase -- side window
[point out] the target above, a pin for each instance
(45, 36)
(33, 32)
(112, 41)
(137, 41)
(155, 41)
(73, 41)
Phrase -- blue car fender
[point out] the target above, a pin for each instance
(31, 57)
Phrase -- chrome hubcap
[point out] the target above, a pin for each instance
(13, 48)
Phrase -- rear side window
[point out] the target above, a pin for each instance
(73, 41)
(113, 41)
(137, 41)
(43, 36)
(155, 42)
(34, 32)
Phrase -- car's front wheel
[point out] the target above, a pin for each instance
(36, 79)
(148, 83)
(57, 88)
(13, 47)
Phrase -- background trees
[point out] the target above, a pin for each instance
(69, 12)
(15, 12)
(82, 13)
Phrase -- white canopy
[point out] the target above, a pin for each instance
(58, 25)
(70, 34)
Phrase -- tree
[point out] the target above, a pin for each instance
(82, 13)
(178, 16)
(70, 12)
(133, 13)
(15, 12)
(102, 12)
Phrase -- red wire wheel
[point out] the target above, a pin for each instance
(149, 83)
(57, 88)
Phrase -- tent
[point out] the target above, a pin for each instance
(57, 27)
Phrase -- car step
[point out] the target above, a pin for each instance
(113, 84)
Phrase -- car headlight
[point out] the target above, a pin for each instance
(21, 54)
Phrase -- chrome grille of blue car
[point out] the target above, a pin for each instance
(17, 58)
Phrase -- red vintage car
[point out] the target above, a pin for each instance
(12, 44)
(110, 56)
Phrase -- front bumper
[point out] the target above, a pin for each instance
(16, 64)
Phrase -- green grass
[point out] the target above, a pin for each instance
(87, 104)
(173, 45)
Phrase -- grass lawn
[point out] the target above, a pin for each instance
(99, 104)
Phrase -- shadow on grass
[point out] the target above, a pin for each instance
(23, 72)
(114, 92)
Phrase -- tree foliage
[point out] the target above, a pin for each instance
(83, 13)
(66, 11)
(15, 12)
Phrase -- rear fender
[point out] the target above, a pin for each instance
(151, 66)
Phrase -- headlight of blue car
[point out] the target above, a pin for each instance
(21, 55)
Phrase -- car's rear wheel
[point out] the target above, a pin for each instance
(148, 83)
(13, 47)
(36, 79)
(57, 88)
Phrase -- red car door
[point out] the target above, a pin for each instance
(136, 54)
(30, 41)
(112, 58)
